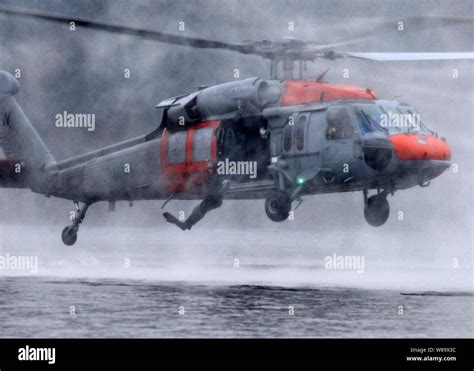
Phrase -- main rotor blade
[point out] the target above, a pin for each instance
(127, 30)
(409, 24)
(409, 56)
(267, 49)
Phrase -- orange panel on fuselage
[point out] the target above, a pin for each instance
(189, 175)
(302, 92)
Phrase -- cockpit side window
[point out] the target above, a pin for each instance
(339, 124)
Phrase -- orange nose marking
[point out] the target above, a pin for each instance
(419, 147)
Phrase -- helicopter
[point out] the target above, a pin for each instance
(278, 139)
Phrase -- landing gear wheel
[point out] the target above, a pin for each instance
(69, 236)
(278, 206)
(377, 210)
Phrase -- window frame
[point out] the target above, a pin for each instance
(301, 122)
(291, 129)
(172, 137)
(350, 115)
(207, 140)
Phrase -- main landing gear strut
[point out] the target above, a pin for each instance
(69, 235)
(376, 208)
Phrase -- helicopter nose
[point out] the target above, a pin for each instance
(410, 146)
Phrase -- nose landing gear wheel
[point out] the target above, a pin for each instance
(278, 206)
(69, 236)
(376, 210)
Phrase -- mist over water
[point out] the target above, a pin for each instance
(428, 252)
(235, 256)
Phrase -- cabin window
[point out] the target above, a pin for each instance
(339, 124)
(287, 137)
(316, 127)
(300, 130)
(275, 143)
(176, 147)
(202, 140)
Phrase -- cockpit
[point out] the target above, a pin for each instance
(389, 116)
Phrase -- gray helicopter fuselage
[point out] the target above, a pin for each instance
(292, 148)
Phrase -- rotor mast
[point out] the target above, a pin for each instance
(288, 67)
(290, 64)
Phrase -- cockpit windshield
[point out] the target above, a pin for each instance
(368, 118)
(391, 117)
(403, 118)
